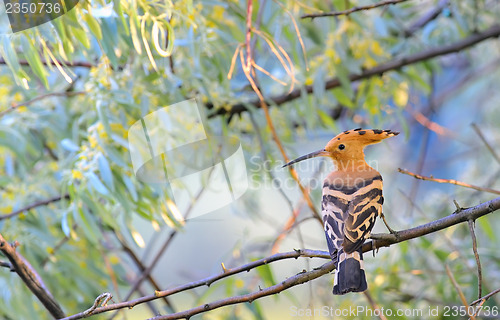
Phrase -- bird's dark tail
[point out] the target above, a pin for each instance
(350, 273)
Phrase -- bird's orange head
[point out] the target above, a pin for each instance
(347, 147)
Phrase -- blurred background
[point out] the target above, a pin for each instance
(71, 89)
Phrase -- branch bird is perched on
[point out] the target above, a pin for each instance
(352, 199)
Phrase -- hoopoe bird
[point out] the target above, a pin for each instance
(352, 199)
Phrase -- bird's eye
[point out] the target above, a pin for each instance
(341, 147)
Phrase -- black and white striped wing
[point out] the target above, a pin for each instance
(349, 213)
(335, 208)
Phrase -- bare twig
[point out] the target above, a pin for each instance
(486, 297)
(473, 74)
(352, 10)
(7, 265)
(163, 248)
(424, 147)
(291, 222)
(378, 241)
(34, 205)
(43, 96)
(141, 266)
(74, 64)
(146, 272)
(426, 18)
(429, 124)
(248, 67)
(31, 278)
(385, 240)
(450, 181)
(102, 300)
(374, 305)
(395, 64)
(459, 291)
(56, 248)
(490, 148)
(478, 262)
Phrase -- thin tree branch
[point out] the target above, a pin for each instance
(481, 301)
(478, 262)
(426, 18)
(162, 250)
(352, 10)
(147, 271)
(7, 265)
(34, 205)
(374, 305)
(56, 248)
(249, 71)
(459, 291)
(458, 86)
(490, 148)
(424, 147)
(429, 124)
(31, 278)
(486, 297)
(141, 266)
(378, 241)
(450, 181)
(43, 96)
(385, 240)
(395, 64)
(102, 300)
(290, 223)
(82, 64)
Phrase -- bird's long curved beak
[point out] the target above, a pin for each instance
(319, 153)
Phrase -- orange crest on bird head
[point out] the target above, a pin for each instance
(358, 138)
(349, 144)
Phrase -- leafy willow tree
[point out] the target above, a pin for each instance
(76, 222)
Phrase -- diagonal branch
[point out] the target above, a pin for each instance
(352, 10)
(44, 96)
(426, 18)
(378, 241)
(34, 205)
(478, 262)
(75, 64)
(7, 265)
(486, 297)
(140, 265)
(397, 63)
(490, 148)
(31, 278)
(450, 181)
(459, 291)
